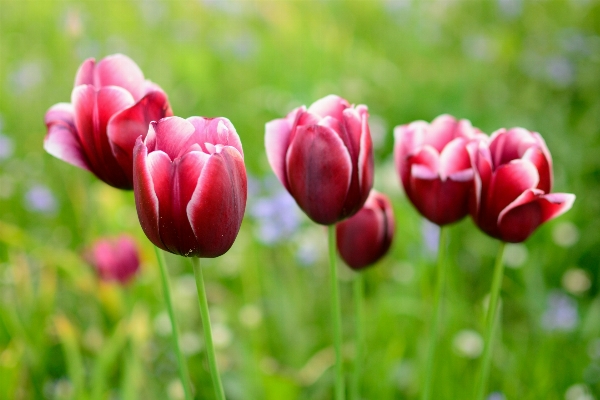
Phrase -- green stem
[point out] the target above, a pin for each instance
(336, 314)
(359, 318)
(183, 371)
(436, 317)
(491, 321)
(208, 341)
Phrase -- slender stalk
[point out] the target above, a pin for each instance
(359, 318)
(491, 321)
(183, 371)
(336, 314)
(436, 317)
(208, 341)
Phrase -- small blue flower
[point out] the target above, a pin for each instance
(6, 147)
(40, 199)
(561, 314)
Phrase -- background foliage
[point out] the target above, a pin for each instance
(499, 63)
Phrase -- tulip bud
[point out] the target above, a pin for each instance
(190, 185)
(115, 259)
(323, 156)
(365, 237)
(111, 106)
(513, 180)
(435, 168)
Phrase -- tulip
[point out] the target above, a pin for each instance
(115, 259)
(190, 185)
(513, 181)
(323, 156)
(366, 236)
(111, 106)
(434, 166)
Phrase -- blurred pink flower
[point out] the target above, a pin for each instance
(115, 259)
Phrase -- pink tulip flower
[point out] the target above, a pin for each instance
(323, 156)
(366, 236)
(190, 185)
(434, 166)
(111, 106)
(513, 181)
(115, 259)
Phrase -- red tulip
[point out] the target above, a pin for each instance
(190, 185)
(513, 180)
(111, 106)
(435, 168)
(365, 237)
(114, 259)
(324, 157)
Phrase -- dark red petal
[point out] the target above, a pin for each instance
(277, 141)
(506, 146)
(508, 182)
(332, 106)
(536, 156)
(481, 162)
(120, 70)
(172, 135)
(85, 73)
(359, 238)
(319, 170)
(146, 201)
(215, 131)
(366, 168)
(217, 206)
(520, 222)
(126, 126)
(441, 202)
(62, 140)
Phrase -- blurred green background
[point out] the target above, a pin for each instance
(503, 63)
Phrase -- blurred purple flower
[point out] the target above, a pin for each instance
(496, 396)
(6, 147)
(431, 236)
(40, 199)
(561, 314)
(510, 8)
(277, 216)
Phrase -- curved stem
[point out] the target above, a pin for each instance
(208, 340)
(359, 316)
(491, 321)
(436, 317)
(336, 315)
(183, 371)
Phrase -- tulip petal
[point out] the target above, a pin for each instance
(146, 201)
(85, 73)
(481, 161)
(506, 146)
(453, 158)
(329, 106)
(93, 109)
(62, 140)
(519, 222)
(358, 238)
(120, 70)
(126, 126)
(217, 206)
(441, 202)
(215, 131)
(277, 141)
(543, 164)
(172, 135)
(508, 182)
(440, 132)
(366, 168)
(319, 171)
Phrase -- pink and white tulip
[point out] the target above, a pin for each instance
(190, 185)
(114, 259)
(367, 236)
(323, 156)
(513, 183)
(434, 166)
(111, 106)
